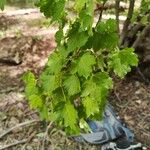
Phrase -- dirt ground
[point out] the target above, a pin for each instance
(25, 43)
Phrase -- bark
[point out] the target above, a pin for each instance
(127, 22)
(132, 34)
(117, 14)
(110, 6)
(141, 36)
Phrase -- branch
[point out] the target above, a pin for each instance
(18, 126)
(109, 6)
(132, 34)
(29, 140)
(14, 144)
(100, 14)
(117, 14)
(141, 36)
(127, 22)
(45, 135)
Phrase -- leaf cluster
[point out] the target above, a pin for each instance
(77, 78)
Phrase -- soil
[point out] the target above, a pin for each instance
(130, 98)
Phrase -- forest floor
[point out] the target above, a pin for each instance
(25, 43)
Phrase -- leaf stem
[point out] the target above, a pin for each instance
(63, 93)
(101, 13)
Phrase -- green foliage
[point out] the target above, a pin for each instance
(55, 63)
(142, 13)
(91, 106)
(32, 91)
(79, 4)
(54, 8)
(144, 6)
(84, 66)
(121, 61)
(70, 116)
(72, 85)
(76, 80)
(2, 4)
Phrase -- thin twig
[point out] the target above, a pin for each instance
(29, 139)
(45, 135)
(117, 96)
(27, 123)
(13, 144)
(101, 13)
(117, 14)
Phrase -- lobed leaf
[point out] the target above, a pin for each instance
(30, 81)
(122, 60)
(49, 83)
(70, 116)
(91, 106)
(103, 80)
(55, 63)
(84, 66)
(72, 85)
(35, 101)
(76, 39)
(79, 4)
(58, 36)
(52, 8)
(86, 17)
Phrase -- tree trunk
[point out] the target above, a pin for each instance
(127, 22)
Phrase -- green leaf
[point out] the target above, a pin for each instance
(119, 68)
(84, 66)
(98, 94)
(106, 35)
(63, 51)
(44, 112)
(103, 79)
(88, 88)
(52, 8)
(70, 116)
(35, 101)
(58, 36)
(101, 64)
(109, 26)
(50, 83)
(55, 63)
(72, 84)
(86, 21)
(79, 4)
(2, 4)
(76, 40)
(86, 17)
(29, 79)
(122, 60)
(84, 125)
(58, 10)
(91, 106)
(128, 57)
(105, 40)
(95, 90)
(30, 82)
(101, 1)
